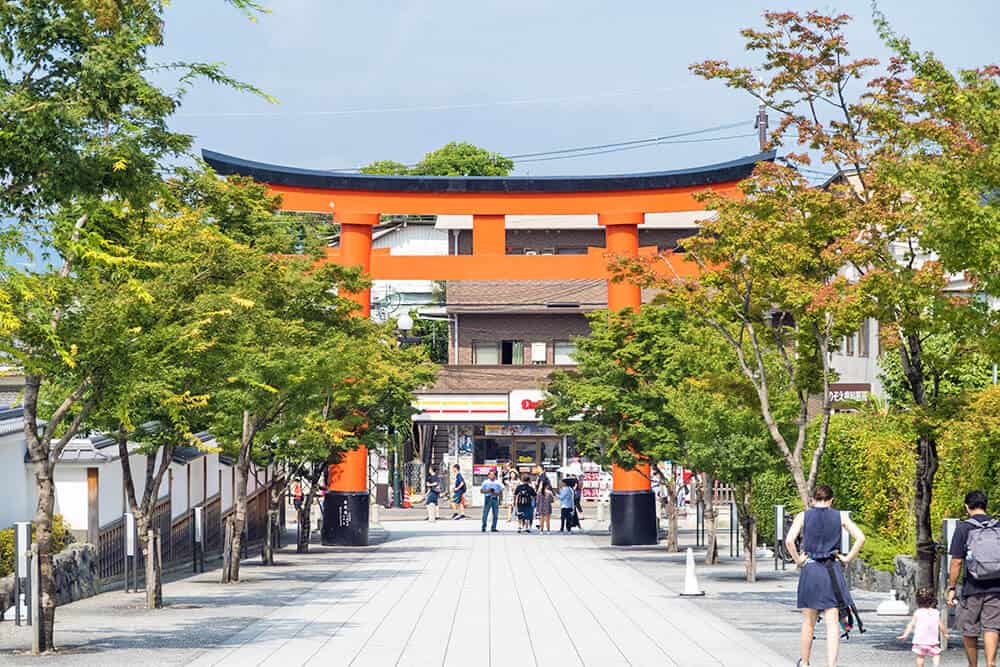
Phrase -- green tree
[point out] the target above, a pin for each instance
(453, 159)
(725, 436)
(84, 139)
(615, 402)
(881, 236)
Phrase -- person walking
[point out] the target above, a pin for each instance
(491, 490)
(524, 499)
(297, 495)
(458, 489)
(544, 504)
(433, 492)
(926, 627)
(822, 585)
(567, 501)
(976, 539)
(511, 483)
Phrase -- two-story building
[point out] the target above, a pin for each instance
(506, 338)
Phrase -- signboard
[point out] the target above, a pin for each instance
(461, 407)
(523, 403)
(849, 391)
(22, 535)
(199, 521)
(129, 534)
(517, 429)
(483, 469)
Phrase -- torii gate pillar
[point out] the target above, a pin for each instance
(346, 503)
(633, 507)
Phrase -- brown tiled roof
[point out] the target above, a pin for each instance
(490, 379)
(465, 296)
(526, 292)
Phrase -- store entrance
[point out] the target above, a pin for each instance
(520, 446)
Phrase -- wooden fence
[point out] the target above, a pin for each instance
(178, 534)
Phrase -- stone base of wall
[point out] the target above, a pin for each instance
(903, 579)
(75, 569)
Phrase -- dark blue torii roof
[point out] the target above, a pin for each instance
(319, 179)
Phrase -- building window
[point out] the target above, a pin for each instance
(539, 353)
(864, 334)
(512, 352)
(564, 351)
(571, 251)
(485, 354)
(849, 345)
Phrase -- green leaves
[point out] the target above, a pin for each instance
(452, 159)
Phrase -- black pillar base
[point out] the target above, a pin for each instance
(633, 518)
(345, 519)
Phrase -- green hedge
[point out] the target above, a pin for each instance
(774, 487)
(61, 537)
(969, 453)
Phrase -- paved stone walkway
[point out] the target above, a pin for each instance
(442, 594)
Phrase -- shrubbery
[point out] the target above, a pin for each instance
(870, 463)
(61, 536)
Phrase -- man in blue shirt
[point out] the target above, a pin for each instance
(492, 490)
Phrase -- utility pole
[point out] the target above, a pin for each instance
(761, 125)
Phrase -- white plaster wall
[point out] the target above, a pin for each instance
(213, 473)
(197, 471)
(227, 487)
(110, 492)
(178, 497)
(164, 490)
(71, 495)
(17, 481)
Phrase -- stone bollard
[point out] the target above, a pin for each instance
(373, 515)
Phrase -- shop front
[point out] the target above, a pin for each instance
(495, 432)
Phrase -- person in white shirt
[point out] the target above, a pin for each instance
(491, 490)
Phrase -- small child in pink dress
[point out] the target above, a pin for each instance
(927, 628)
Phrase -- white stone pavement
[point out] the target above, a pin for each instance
(446, 594)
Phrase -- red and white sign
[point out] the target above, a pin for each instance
(523, 403)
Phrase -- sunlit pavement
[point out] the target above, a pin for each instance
(447, 594)
(431, 594)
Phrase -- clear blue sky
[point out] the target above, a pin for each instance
(514, 76)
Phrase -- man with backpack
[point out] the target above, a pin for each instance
(976, 546)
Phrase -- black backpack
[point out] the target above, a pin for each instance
(847, 614)
(523, 499)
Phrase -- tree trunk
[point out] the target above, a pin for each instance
(748, 522)
(927, 465)
(43, 537)
(711, 523)
(154, 571)
(227, 551)
(305, 514)
(911, 353)
(672, 516)
(239, 515)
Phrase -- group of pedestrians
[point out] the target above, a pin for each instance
(814, 541)
(530, 501)
(525, 500)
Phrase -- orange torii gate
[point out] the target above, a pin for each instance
(620, 202)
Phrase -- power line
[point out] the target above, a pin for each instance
(727, 126)
(613, 147)
(628, 148)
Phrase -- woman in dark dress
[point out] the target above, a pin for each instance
(820, 527)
